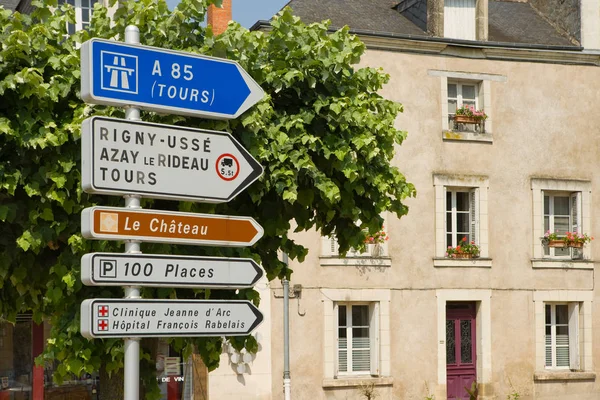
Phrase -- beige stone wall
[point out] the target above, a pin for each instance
(545, 125)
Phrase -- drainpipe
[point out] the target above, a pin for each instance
(287, 381)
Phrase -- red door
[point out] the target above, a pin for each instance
(460, 349)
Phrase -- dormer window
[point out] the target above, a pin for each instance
(83, 14)
(459, 19)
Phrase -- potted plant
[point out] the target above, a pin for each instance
(553, 239)
(469, 115)
(464, 249)
(377, 239)
(577, 240)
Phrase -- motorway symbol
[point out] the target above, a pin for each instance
(116, 318)
(153, 270)
(163, 161)
(167, 81)
(113, 223)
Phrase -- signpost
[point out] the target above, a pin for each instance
(136, 318)
(162, 80)
(113, 223)
(151, 270)
(135, 159)
(153, 160)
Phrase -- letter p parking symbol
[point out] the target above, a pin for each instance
(108, 268)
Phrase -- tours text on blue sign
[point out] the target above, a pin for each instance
(162, 80)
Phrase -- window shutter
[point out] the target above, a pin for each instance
(576, 219)
(574, 335)
(329, 246)
(336, 329)
(374, 337)
(445, 210)
(474, 211)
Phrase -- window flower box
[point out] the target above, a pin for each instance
(464, 249)
(569, 239)
(464, 255)
(464, 119)
(467, 114)
(557, 244)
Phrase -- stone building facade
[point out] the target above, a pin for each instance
(405, 317)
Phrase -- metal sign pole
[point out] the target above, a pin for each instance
(131, 379)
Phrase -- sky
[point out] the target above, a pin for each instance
(247, 12)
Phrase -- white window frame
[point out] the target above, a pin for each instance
(574, 214)
(374, 254)
(484, 98)
(478, 186)
(452, 214)
(459, 93)
(379, 304)
(373, 327)
(539, 186)
(77, 5)
(580, 328)
(571, 325)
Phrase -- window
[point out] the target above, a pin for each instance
(459, 19)
(331, 248)
(375, 254)
(557, 334)
(83, 14)
(461, 216)
(355, 335)
(563, 323)
(462, 88)
(561, 215)
(560, 205)
(462, 94)
(461, 211)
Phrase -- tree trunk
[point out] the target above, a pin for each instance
(110, 387)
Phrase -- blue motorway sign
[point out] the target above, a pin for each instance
(166, 81)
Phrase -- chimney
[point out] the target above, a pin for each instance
(218, 18)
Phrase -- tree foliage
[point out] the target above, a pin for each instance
(323, 134)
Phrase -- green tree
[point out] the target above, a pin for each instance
(323, 134)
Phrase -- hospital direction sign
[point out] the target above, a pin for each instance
(115, 318)
(161, 161)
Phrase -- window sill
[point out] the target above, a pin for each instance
(564, 376)
(349, 382)
(561, 263)
(326, 261)
(463, 263)
(468, 136)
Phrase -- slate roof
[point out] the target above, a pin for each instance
(520, 23)
(367, 15)
(22, 6)
(10, 4)
(509, 21)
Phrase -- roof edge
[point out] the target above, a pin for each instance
(262, 24)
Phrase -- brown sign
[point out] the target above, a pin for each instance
(168, 227)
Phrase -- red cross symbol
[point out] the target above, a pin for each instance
(103, 325)
(103, 311)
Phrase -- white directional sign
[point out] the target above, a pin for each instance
(115, 318)
(163, 161)
(151, 270)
